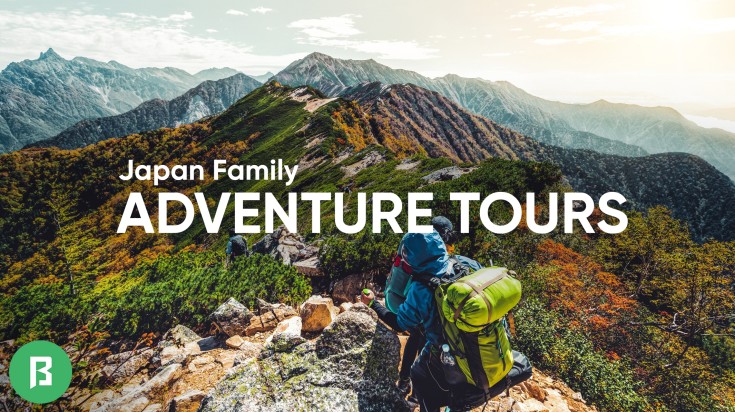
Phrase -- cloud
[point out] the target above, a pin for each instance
(187, 15)
(720, 25)
(574, 11)
(212, 30)
(132, 39)
(499, 54)
(338, 31)
(261, 10)
(576, 26)
(559, 41)
(234, 12)
(327, 27)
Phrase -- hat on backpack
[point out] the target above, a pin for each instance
(425, 253)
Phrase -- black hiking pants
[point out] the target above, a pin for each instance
(432, 390)
(416, 341)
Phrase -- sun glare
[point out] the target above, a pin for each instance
(668, 14)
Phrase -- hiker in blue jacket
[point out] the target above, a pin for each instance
(426, 253)
(236, 246)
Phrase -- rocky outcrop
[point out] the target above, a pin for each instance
(352, 366)
(136, 399)
(269, 318)
(348, 288)
(231, 318)
(291, 249)
(541, 393)
(124, 365)
(180, 335)
(448, 173)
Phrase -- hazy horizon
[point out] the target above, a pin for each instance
(653, 52)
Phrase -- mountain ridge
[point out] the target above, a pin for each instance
(208, 98)
(333, 76)
(614, 128)
(40, 98)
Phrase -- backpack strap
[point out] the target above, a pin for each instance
(456, 271)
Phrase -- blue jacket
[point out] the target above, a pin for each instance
(425, 253)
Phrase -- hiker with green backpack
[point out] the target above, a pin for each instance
(395, 294)
(467, 359)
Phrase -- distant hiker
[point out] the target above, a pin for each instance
(468, 360)
(236, 246)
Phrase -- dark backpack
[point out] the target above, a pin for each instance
(239, 246)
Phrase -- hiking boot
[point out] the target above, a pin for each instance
(404, 386)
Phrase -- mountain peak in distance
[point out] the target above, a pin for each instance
(215, 73)
(49, 54)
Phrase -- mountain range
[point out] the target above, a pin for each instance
(625, 130)
(40, 98)
(411, 119)
(597, 146)
(208, 98)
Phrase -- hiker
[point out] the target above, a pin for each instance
(236, 246)
(476, 376)
(416, 340)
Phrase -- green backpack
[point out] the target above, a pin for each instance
(472, 311)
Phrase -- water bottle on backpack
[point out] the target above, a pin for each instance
(452, 373)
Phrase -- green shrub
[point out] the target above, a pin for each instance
(154, 296)
(364, 253)
(21, 318)
(552, 345)
(187, 287)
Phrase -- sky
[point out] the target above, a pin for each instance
(652, 52)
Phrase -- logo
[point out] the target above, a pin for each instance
(40, 372)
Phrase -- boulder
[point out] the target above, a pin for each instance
(137, 398)
(347, 289)
(180, 335)
(124, 365)
(234, 342)
(287, 247)
(248, 350)
(209, 343)
(352, 366)
(174, 354)
(286, 335)
(201, 363)
(317, 313)
(186, 402)
(269, 319)
(447, 173)
(309, 267)
(231, 318)
(344, 307)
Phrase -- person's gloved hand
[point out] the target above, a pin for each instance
(367, 296)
